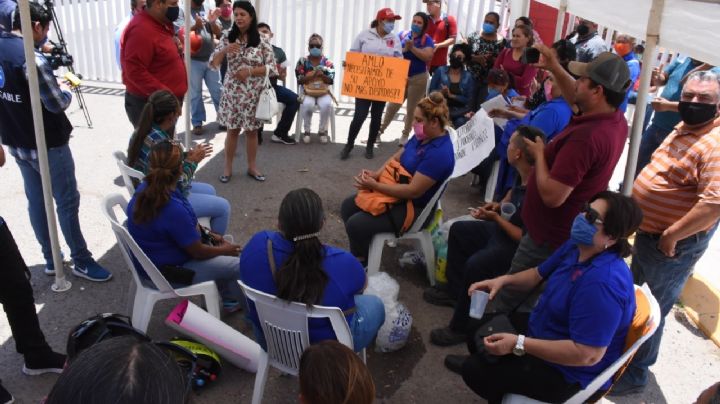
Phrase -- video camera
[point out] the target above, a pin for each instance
(59, 57)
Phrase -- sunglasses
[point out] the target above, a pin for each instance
(185, 359)
(591, 215)
(315, 46)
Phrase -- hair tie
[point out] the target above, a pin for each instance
(305, 236)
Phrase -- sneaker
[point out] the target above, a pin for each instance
(624, 388)
(197, 130)
(5, 396)
(282, 139)
(446, 337)
(455, 362)
(51, 362)
(91, 271)
(323, 137)
(306, 137)
(50, 267)
(345, 153)
(438, 297)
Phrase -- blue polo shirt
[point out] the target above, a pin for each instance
(434, 158)
(417, 66)
(591, 303)
(346, 278)
(164, 238)
(634, 66)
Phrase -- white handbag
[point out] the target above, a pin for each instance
(267, 105)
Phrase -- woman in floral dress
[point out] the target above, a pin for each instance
(249, 56)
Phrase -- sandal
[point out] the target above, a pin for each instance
(256, 177)
(225, 178)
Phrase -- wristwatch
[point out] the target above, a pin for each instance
(519, 349)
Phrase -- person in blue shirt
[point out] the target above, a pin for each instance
(581, 321)
(551, 117)
(136, 6)
(624, 48)
(428, 156)
(157, 123)
(418, 48)
(666, 114)
(294, 265)
(163, 224)
(456, 84)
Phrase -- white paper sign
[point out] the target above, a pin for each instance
(497, 102)
(473, 143)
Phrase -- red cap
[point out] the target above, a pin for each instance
(387, 14)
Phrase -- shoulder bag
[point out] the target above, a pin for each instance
(267, 105)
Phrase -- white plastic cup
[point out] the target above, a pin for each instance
(507, 209)
(229, 238)
(478, 301)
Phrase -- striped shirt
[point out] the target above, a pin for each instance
(683, 171)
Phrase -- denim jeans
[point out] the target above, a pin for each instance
(666, 278)
(651, 139)
(290, 99)
(67, 199)
(368, 318)
(200, 71)
(206, 203)
(224, 270)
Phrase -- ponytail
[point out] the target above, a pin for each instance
(159, 105)
(301, 277)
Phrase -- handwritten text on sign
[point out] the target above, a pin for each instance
(473, 143)
(376, 78)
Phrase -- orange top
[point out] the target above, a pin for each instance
(683, 171)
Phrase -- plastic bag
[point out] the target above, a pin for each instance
(395, 331)
(440, 246)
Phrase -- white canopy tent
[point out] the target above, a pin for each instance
(687, 26)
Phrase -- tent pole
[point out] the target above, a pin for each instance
(61, 284)
(562, 9)
(651, 42)
(526, 8)
(186, 55)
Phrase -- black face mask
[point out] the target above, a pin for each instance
(172, 13)
(583, 30)
(455, 62)
(696, 113)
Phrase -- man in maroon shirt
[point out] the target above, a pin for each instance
(574, 166)
(443, 30)
(151, 56)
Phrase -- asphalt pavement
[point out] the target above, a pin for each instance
(688, 362)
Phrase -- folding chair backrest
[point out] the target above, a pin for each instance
(127, 172)
(420, 220)
(645, 303)
(285, 326)
(130, 248)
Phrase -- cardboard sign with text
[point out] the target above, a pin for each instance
(473, 143)
(373, 77)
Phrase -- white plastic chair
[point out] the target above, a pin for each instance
(491, 181)
(299, 119)
(146, 296)
(582, 396)
(127, 172)
(416, 232)
(285, 326)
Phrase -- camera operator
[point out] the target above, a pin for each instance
(17, 132)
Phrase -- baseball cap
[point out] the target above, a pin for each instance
(431, 1)
(608, 69)
(387, 14)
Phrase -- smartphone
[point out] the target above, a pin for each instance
(530, 55)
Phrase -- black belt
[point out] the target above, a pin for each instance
(656, 236)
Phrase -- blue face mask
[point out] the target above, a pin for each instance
(315, 52)
(492, 93)
(389, 26)
(488, 28)
(415, 29)
(582, 231)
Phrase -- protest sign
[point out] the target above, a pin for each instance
(374, 77)
(473, 143)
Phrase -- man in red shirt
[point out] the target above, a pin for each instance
(575, 165)
(443, 30)
(151, 56)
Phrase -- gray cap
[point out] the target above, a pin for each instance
(608, 69)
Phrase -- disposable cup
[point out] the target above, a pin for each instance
(507, 209)
(229, 238)
(478, 301)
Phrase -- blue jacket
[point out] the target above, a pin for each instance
(467, 85)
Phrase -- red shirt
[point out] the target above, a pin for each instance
(150, 58)
(439, 33)
(583, 156)
(522, 75)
